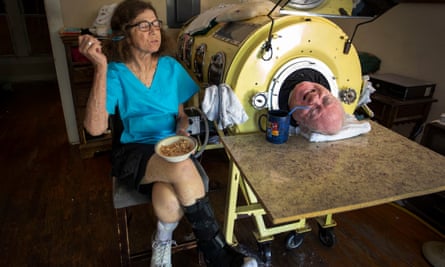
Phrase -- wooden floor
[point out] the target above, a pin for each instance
(56, 209)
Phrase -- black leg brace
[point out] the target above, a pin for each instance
(211, 242)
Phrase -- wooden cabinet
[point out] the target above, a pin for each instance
(81, 77)
(389, 111)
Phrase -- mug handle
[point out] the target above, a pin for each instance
(260, 125)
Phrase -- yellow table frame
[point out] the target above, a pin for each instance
(255, 209)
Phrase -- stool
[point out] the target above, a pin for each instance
(125, 197)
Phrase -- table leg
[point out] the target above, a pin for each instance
(417, 129)
(232, 195)
(253, 209)
(326, 233)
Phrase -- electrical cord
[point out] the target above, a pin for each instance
(206, 130)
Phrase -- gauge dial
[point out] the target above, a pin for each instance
(216, 68)
(198, 66)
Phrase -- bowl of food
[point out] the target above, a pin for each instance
(176, 148)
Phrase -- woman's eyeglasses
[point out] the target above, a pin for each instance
(144, 26)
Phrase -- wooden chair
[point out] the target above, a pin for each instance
(126, 197)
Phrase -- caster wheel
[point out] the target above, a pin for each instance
(265, 252)
(294, 240)
(327, 236)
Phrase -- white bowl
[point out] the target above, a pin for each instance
(189, 143)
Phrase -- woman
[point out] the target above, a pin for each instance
(325, 115)
(149, 91)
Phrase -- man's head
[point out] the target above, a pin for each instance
(326, 114)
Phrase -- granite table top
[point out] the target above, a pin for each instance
(300, 179)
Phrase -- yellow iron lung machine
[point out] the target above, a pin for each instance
(300, 47)
(261, 63)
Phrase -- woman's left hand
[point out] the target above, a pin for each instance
(182, 131)
(182, 122)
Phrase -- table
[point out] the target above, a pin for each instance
(292, 182)
(390, 111)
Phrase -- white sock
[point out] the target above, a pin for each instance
(165, 230)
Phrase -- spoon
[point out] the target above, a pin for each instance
(298, 107)
(117, 38)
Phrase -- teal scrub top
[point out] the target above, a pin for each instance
(148, 113)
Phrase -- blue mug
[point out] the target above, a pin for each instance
(277, 126)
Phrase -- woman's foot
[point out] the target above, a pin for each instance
(228, 256)
(161, 253)
(211, 242)
(237, 259)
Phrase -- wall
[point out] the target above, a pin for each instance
(81, 13)
(55, 22)
(409, 40)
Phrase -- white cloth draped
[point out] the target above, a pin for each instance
(220, 104)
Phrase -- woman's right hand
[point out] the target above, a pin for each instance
(91, 48)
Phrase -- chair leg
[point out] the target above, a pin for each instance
(122, 231)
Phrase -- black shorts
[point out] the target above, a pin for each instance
(129, 162)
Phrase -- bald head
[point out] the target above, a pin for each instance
(326, 114)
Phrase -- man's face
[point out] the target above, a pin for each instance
(325, 114)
